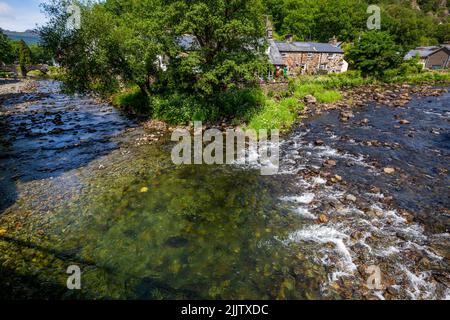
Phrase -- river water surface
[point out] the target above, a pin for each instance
(80, 186)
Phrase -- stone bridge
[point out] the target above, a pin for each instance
(13, 68)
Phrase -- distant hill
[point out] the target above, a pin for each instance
(29, 36)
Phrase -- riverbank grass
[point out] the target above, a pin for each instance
(276, 114)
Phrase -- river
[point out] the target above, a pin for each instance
(81, 184)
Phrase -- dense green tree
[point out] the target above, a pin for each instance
(39, 55)
(230, 48)
(409, 27)
(6, 49)
(318, 20)
(125, 41)
(374, 53)
(24, 57)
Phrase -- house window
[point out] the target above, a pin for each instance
(332, 56)
(310, 55)
(323, 67)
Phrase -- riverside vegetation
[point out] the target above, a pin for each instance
(141, 62)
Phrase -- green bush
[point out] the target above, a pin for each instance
(36, 74)
(55, 73)
(132, 101)
(240, 104)
(178, 108)
(6, 74)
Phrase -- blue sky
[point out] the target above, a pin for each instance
(20, 15)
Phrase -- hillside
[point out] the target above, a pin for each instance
(29, 36)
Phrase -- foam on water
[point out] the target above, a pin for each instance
(358, 238)
(323, 234)
(304, 198)
(305, 213)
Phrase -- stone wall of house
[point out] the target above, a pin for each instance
(312, 63)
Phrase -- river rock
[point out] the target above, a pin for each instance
(375, 190)
(392, 290)
(350, 197)
(309, 99)
(365, 121)
(319, 142)
(57, 120)
(323, 218)
(389, 170)
(56, 131)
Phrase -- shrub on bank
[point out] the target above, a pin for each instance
(276, 115)
(36, 74)
(180, 108)
(132, 101)
(393, 76)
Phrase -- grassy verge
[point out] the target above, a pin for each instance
(276, 114)
(422, 77)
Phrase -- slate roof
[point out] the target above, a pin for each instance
(423, 52)
(274, 54)
(307, 47)
(188, 42)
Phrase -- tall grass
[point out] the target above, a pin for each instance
(345, 80)
(276, 115)
(301, 89)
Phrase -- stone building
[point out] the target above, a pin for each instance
(307, 57)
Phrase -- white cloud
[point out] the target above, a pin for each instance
(5, 10)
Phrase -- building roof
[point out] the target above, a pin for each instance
(188, 42)
(307, 47)
(274, 54)
(423, 52)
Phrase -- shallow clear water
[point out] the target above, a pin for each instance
(75, 197)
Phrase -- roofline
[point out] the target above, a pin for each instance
(431, 53)
(311, 44)
(311, 51)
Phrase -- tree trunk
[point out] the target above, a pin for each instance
(23, 69)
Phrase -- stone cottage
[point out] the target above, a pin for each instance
(307, 57)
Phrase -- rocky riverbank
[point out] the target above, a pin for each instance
(9, 87)
(397, 95)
